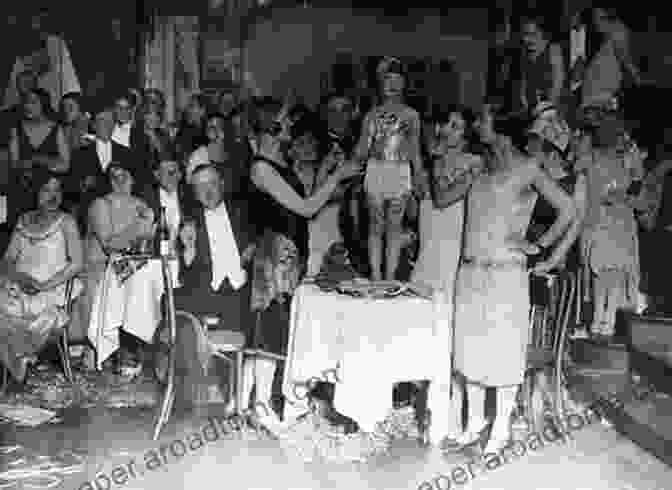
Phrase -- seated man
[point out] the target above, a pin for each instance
(170, 193)
(218, 242)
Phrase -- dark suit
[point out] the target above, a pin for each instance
(86, 166)
(196, 295)
(188, 205)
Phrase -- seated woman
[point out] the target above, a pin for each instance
(44, 253)
(118, 221)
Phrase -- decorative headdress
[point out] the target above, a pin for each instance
(550, 126)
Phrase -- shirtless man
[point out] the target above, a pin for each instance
(492, 299)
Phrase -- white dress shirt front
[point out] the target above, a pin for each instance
(122, 134)
(170, 201)
(226, 261)
(104, 150)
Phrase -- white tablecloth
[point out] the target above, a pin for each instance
(134, 305)
(368, 345)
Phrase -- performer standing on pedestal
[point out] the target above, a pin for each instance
(390, 146)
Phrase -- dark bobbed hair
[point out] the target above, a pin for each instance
(39, 178)
(312, 125)
(74, 96)
(267, 109)
(45, 101)
(167, 154)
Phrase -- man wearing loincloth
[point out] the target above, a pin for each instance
(492, 300)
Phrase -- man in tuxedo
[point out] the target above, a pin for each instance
(218, 242)
(88, 180)
(170, 192)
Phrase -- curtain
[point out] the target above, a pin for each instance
(171, 60)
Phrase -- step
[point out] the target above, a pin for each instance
(650, 339)
(651, 334)
(610, 358)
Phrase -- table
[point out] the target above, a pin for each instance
(134, 305)
(365, 346)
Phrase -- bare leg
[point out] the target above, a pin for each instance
(395, 237)
(476, 421)
(599, 299)
(501, 428)
(376, 230)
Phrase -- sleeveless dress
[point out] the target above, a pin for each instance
(271, 331)
(610, 238)
(21, 192)
(26, 321)
(492, 301)
(603, 77)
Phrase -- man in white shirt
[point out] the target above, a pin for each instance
(170, 192)
(218, 243)
(123, 120)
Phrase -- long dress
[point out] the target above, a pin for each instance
(610, 240)
(27, 321)
(492, 289)
(272, 326)
(603, 77)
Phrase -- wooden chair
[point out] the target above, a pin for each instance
(60, 337)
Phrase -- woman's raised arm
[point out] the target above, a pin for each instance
(267, 179)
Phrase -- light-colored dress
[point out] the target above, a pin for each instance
(27, 321)
(492, 291)
(610, 242)
(440, 246)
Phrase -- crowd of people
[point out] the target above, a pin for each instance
(256, 195)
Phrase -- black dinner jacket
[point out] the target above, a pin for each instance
(86, 163)
(199, 274)
(188, 205)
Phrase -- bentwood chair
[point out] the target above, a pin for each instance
(223, 344)
(61, 337)
(547, 351)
